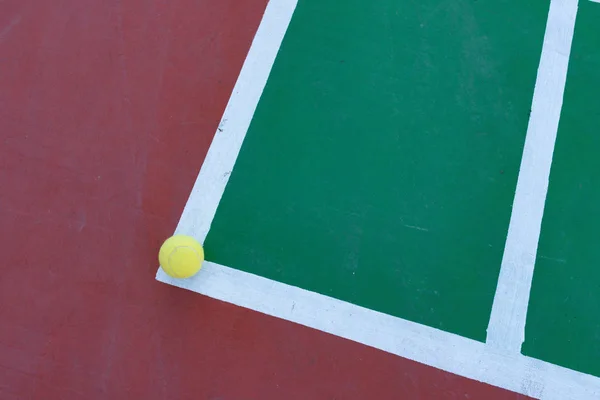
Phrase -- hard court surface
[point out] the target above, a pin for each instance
(370, 205)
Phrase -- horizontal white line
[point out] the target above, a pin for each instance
(407, 339)
(417, 342)
(506, 329)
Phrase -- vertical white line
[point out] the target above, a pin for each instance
(506, 330)
(213, 177)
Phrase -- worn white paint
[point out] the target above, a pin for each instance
(496, 362)
(420, 343)
(506, 329)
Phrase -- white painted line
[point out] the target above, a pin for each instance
(506, 329)
(214, 174)
(489, 362)
(446, 351)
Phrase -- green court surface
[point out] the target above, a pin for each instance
(563, 325)
(381, 163)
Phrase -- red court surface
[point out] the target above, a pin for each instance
(106, 112)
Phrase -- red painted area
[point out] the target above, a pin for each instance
(107, 109)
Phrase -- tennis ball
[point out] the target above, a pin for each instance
(181, 256)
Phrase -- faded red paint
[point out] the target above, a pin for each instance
(107, 109)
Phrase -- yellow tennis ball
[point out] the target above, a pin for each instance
(181, 256)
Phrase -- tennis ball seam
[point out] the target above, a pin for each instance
(171, 254)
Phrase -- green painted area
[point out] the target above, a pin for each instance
(563, 322)
(381, 163)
